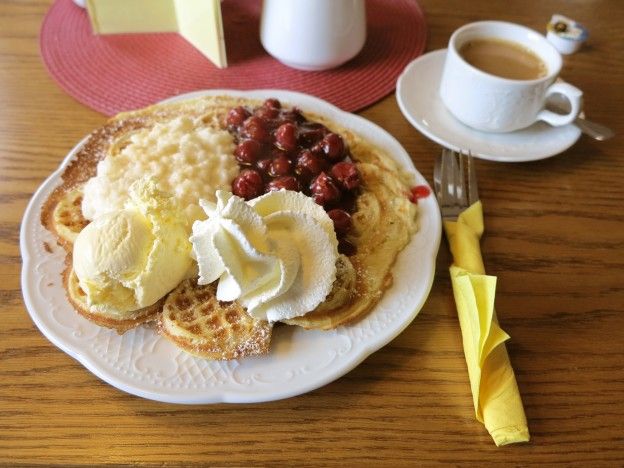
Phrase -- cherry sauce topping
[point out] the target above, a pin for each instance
(279, 148)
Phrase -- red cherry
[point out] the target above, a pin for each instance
(346, 174)
(286, 136)
(280, 166)
(248, 184)
(281, 121)
(332, 146)
(342, 221)
(248, 151)
(310, 134)
(267, 113)
(256, 128)
(237, 116)
(324, 190)
(309, 165)
(294, 115)
(272, 103)
(286, 182)
(264, 165)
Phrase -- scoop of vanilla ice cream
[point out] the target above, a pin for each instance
(130, 258)
(275, 254)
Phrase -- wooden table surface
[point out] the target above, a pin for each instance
(554, 237)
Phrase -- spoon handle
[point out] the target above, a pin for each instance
(593, 129)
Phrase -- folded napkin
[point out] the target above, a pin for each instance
(494, 389)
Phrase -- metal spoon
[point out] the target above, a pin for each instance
(593, 129)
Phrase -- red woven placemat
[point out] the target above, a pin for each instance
(128, 71)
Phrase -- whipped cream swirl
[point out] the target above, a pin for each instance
(275, 254)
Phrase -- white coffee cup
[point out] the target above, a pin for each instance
(493, 104)
(313, 34)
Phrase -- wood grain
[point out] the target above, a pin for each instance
(555, 239)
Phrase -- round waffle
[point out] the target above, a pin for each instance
(197, 322)
(67, 216)
(110, 319)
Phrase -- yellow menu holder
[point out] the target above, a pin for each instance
(197, 21)
(495, 392)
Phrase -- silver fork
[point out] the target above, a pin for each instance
(455, 183)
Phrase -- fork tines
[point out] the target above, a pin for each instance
(473, 191)
(455, 180)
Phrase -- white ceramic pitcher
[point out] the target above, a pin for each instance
(313, 34)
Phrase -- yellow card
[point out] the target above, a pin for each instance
(197, 21)
(200, 23)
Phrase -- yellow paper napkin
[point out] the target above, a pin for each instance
(494, 389)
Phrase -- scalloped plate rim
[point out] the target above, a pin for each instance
(246, 395)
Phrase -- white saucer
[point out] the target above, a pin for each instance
(417, 96)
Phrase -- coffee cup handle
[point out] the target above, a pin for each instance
(573, 95)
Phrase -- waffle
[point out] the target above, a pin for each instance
(382, 225)
(343, 288)
(67, 219)
(195, 321)
(120, 322)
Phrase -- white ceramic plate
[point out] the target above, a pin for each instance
(144, 364)
(417, 96)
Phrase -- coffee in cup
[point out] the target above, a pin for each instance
(498, 76)
(503, 58)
